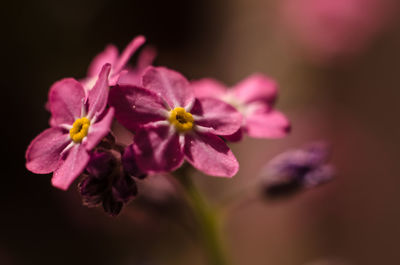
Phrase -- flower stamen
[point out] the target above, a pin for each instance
(79, 129)
(182, 120)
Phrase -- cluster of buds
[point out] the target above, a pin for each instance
(171, 119)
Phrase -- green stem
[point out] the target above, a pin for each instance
(208, 220)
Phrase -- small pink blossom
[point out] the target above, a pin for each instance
(335, 28)
(79, 122)
(254, 98)
(172, 125)
(111, 56)
(133, 75)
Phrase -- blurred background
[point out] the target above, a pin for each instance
(337, 63)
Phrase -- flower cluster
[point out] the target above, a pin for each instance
(172, 120)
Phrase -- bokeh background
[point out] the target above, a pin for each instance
(337, 63)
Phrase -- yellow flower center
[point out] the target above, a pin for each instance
(79, 129)
(182, 120)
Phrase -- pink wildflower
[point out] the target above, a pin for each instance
(79, 122)
(327, 29)
(133, 76)
(253, 98)
(172, 125)
(118, 62)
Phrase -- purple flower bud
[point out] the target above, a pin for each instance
(297, 169)
(112, 206)
(108, 142)
(106, 183)
(92, 190)
(124, 188)
(129, 163)
(101, 164)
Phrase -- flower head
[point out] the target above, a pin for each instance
(297, 169)
(118, 62)
(172, 125)
(329, 29)
(254, 98)
(79, 122)
(106, 183)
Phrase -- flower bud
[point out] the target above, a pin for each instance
(124, 188)
(106, 183)
(129, 163)
(111, 205)
(297, 169)
(101, 164)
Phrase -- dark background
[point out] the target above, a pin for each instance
(353, 104)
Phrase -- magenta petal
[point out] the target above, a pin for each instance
(158, 149)
(65, 100)
(44, 153)
(170, 85)
(98, 95)
(221, 117)
(146, 57)
(256, 87)
(133, 76)
(99, 130)
(71, 168)
(208, 87)
(272, 124)
(208, 153)
(236, 137)
(109, 55)
(127, 53)
(135, 106)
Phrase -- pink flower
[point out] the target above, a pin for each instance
(327, 29)
(118, 62)
(253, 98)
(79, 122)
(172, 125)
(133, 75)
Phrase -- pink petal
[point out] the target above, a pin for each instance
(208, 87)
(158, 149)
(98, 95)
(127, 53)
(236, 137)
(109, 55)
(271, 124)
(256, 87)
(170, 85)
(99, 130)
(135, 106)
(44, 152)
(146, 57)
(221, 117)
(133, 76)
(71, 168)
(65, 100)
(208, 153)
